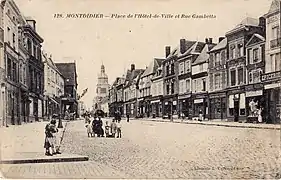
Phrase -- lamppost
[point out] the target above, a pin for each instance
(3, 89)
(60, 120)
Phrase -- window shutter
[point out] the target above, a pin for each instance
(260, 54)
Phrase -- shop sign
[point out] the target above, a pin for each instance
(155, 101)
(270, 86)
(272, 75)
(253, 93)
(197, 101)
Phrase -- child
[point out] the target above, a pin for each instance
(107, 127)
(89, 129)
(119, 129)
(113, 128)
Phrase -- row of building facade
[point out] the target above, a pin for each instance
(218, 79)
(32, 85)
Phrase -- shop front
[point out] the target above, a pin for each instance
(236, 102)
(254, 102)
(156, 106)
(273, 103)
(185, 106)
(217, 106)
(170, 107)
(200, 104)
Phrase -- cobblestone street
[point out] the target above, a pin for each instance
(165, 150)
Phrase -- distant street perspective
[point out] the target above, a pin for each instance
(141, 95)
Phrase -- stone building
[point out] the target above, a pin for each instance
(53, 87)
(69, 99)
(2, 70)
(217, 72)
(199, 75)
(237, 38)
(35, 70)
(11, 56)
(144, 98)
(272, 76)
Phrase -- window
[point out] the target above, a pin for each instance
(232, 52)
(14, 72)
(8, 30)
(172, 88)
(278, 62)
(181, 68)
(34, 51)
(187, 66)
(167, 70)
(181, 86)
(172, 68)
(223, 58)
(272, 65)
(201, 67)
(194, 85)
(255, 55)
(240, 50)
(240, 76)
(217, 81)
(29, 46)
(167, 89)
(275, 32)
(188, 85)
(14, 40)
(251, 77)
(217, 61)
(9, 68)
(233, 77)
(204, 84)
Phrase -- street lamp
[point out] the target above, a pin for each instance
(60, 120)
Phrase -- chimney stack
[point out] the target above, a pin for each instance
(210, 40)
(262, 22)
(221, 38)
(206, 40)
(133, 67)
(31, 22)
(182, 46)
(167, 50)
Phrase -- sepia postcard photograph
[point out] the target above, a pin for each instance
(139, 89)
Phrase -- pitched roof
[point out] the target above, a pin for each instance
(176, 51)
(249, 21)
(204, 55)
(50, 62)
(275, 6)
(132, 75)
(68, 71)
(151, 69)
(220, 45)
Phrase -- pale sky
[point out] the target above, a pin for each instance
(119, 42)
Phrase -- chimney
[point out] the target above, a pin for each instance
(32, 23)
(133, 67)
(210, 40)
(167, 50)
(221, 38)
(206, 40)
(262, 22)
(182, 46)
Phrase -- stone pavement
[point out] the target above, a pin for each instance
(151, 149)
(217, 123)
(24, 144)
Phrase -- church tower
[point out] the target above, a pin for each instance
(102, 90)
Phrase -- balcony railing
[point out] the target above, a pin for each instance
(275, 43)
(271, 76)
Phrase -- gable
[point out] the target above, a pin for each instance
(256, 38)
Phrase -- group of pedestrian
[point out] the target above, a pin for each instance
(95, 127)
(51, 141)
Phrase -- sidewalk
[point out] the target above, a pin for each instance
(25, 144)
(216, 123)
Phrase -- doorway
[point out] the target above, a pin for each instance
(236, 110)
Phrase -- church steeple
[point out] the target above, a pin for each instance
(102, 69)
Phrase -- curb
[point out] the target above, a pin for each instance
(222, 125)
(42, 160)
